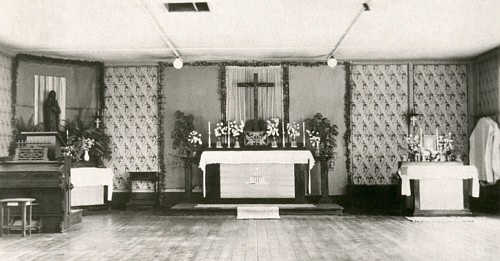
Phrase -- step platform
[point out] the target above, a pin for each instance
(231, 209)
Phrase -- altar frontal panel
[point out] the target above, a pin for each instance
(257, 181)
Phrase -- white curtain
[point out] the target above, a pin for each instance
(240, 100)
(43, 85)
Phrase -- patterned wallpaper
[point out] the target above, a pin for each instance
(5, 104)
(487, 84)
(381, 96)
(131, 119)
(440, 94)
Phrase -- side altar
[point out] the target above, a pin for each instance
(256, 173)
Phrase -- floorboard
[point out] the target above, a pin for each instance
(147, 236)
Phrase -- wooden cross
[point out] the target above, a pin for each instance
(255, 84)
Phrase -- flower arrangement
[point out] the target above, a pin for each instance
(83, 138)
(293, 129)
(236, 129)
(445, 145)
(194, 138)
(414, 146)
(87, 143)
(314, 138)
(272, 127)
(79, 147)
(323, 133)
(220, 129)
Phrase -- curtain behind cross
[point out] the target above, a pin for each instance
(240, 100)
(43, 85)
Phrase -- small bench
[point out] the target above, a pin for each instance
(24, 204)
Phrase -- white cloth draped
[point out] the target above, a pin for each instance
(485, 150)
(240, 100)
(43, 85)
(437, 170)
(249, 157)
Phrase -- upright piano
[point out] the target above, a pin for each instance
(30, 174)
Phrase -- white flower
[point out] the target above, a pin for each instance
(272, 127)
(195, 138)
(314, 138)
(293, 129)
(220, 129)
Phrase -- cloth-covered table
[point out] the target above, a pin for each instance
(86, 180)
(437, 170)
(254, 157)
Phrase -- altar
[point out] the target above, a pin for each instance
(438, 188)
(258, 173)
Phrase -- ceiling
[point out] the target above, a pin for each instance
(125, 30)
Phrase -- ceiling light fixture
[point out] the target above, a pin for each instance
(178, 63)
(332, 62)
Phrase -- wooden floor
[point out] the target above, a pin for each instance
(144, 236)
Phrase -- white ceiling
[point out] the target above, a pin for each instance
(124, 30)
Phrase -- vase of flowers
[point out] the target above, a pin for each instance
(220, 131)
(86, 145)
(314, 140)
(194, 138)
(273, 131)
(293, 133)
(236, 129)
(414, 147)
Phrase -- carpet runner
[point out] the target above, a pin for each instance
(257, 212)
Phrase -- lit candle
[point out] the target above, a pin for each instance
(304, 134)
(67, 135)
(209, 139)
(283, 132)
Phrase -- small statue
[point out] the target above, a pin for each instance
(51, 112)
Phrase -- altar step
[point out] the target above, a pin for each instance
(231, 209)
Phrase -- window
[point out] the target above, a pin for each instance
(43, 85)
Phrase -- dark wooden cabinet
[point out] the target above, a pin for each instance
(49, 182)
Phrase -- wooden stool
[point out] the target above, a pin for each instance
(23, 203)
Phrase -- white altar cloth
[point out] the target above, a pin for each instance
(249, 157)
(437, 170)
(86, 177)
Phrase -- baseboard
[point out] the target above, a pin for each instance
(169, 199)
(383, 199)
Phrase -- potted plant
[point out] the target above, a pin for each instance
(327, 132)
(185, 138)
(324, 133)
(236, 129)
(85, 141)
(195, 141)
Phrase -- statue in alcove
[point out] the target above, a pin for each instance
(51, 112)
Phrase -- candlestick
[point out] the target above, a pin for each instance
(228, 136)
(283, 132)
(437, 138)
(421, 137)
(304, 134)
(209, 138)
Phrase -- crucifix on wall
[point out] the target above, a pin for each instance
(255, 84)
